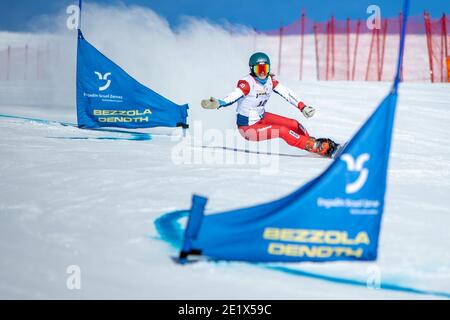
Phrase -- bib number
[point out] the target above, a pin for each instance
(262, 103)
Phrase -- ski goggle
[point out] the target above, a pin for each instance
(261, 68)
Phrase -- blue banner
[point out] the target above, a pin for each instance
(336, 216)
(109, 97)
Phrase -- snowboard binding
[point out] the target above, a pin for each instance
(322, 146)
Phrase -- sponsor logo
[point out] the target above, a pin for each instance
(131, 113)
(261, 92)
(320, 244)
(258, 95)
(295, 135)
(315, 236)
(104, 97)
(105, 78)
(354, 206)
(358, 206)
(356, 166)
(122, 116)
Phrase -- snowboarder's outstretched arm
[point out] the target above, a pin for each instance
(292, 98)
(239, 92)
(211, 103)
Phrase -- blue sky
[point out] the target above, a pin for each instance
(17, 15)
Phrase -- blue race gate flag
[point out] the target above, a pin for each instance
(108, 97)
(336, 216)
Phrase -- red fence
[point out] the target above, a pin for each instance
(24, 63)
(438, 48)
(350, 50)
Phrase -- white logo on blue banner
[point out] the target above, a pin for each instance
(103, 77)
(356, 166)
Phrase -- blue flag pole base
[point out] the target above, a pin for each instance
(194, 223)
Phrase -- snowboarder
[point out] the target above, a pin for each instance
(255, 124)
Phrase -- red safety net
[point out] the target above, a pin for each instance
(357, 50)
(352, 50)
(438, 44)
(24, 63)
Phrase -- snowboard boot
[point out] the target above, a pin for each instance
(321, 146)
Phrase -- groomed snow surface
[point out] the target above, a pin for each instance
(85, 198)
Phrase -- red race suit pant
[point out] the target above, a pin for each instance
(274, 126)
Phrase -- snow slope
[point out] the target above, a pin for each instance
(68, 200)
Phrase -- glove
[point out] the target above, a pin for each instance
(308, 111)
(211, 103)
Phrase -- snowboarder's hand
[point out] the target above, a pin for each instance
(211, 103)
(308, 111)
